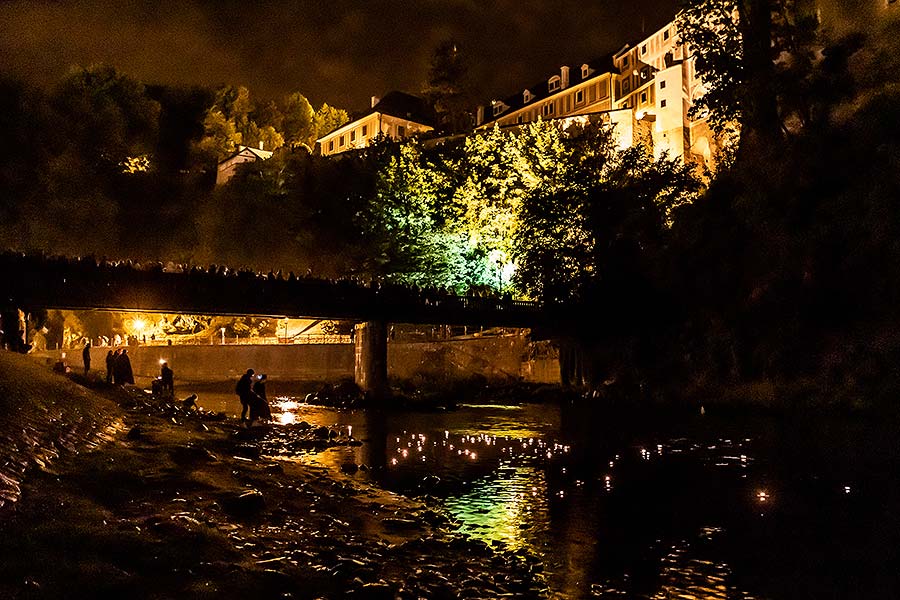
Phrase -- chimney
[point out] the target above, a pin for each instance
(261, 144)
(479, 116)
(375, 100)
(563, 77)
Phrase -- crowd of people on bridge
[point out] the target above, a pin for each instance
(122, 283)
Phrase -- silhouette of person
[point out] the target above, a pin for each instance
(124, 374)
(110, 365)
(259, 409)
(244, 390)
(86, 357)
(167, 380)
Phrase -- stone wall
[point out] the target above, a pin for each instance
(492, 357)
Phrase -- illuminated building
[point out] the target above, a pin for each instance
(244, 154)
(396, 116)
(644, 90)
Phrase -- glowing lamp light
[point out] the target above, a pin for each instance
(162, 361)
(762, 496)
(139, 325)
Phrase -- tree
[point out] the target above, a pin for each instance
(448, 88)
(755, 58)
(298, 121)
(328, 118)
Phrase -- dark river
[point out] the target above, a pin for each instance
(695, 507)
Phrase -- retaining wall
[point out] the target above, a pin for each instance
(492, 357)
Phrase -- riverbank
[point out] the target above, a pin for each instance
(173, 502)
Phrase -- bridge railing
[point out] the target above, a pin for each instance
(61, 283)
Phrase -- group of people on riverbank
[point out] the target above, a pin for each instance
(251, 390)
(118, 368)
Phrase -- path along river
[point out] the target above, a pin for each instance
(697, 507)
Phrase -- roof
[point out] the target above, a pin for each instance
(259, 154)
(395, 104)
(540, 90)
(404, 106)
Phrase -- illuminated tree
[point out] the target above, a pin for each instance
(328, 118)
(298, 121)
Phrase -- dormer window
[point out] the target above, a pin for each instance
(527, 96)
(499, 107)
(585, 71)
(554, 84)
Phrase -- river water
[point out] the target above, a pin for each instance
(700, 506)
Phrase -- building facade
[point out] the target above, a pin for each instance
(244, 154)
(644, 91)
(396, 116)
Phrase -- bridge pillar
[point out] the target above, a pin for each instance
(371, 358)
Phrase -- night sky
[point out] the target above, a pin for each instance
(336, 51)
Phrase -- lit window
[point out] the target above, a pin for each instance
(353, 136)
(579, 96)
(365, 130)
(662, 85)
(341, 142)
(662, 103)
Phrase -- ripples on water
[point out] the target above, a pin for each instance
(610, 514)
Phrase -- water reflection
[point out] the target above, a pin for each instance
(610, 513)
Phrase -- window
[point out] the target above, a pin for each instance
(662, 103)
(585, 71)
(365, 130)
(644, 49)
(553, 84)
(625, 61)
(662, 85)
(547, 109)
(401, 131)
(498, 108)
(643, 97)
(626, 86)
(579, 96)
(666, 34)
(526, 96)
(353, 136)
(341, 142)
(331, 146)
(520, 119)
